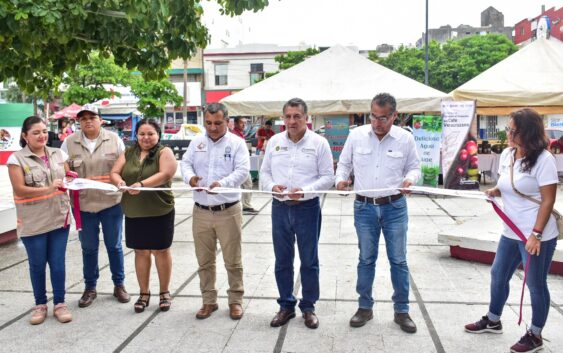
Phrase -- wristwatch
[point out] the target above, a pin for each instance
(536, 235)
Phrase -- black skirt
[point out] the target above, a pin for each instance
(150, 233)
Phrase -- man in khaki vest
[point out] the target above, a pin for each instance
(92, 153)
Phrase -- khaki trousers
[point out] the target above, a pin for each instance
(225, 226)
(246, 197)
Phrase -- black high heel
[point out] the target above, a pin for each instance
(165, 301)
(141, 303)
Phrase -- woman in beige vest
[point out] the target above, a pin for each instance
(42, 207)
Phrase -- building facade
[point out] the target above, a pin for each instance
(492, 21)
(525, 30)
(229, 70)
(195, 93)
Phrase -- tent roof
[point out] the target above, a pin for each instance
(336, 81)
(533, 76)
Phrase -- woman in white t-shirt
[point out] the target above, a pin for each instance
(535, 175)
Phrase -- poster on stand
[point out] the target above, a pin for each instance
(460, 164)
(336, 132)
(427, 132)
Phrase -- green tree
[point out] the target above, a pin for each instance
(84, 83)
(41, 40)
(293, 58)
(452, 64)
(154, 95)
(374, 56)
(15, 95)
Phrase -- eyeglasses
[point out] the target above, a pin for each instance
(510, 131)
(383, 118)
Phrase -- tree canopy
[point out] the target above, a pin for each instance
(40, 40)
(452, 64)
(85, 83)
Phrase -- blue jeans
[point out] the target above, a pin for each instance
(48, 248)
(111, 219)
(510, 254)
(392, 219)
(301, 222)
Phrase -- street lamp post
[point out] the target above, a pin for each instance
(426, 47)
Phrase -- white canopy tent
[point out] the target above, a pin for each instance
(336, 81)
(531, 77)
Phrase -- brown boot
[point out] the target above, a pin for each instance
(121, 294)
(235, 311)
(206, 311)
(87, 298)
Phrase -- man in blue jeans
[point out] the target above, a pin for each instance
(297, 162)
(382, 156)
(92, 153)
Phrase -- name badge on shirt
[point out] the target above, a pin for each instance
(308, 150)
(395, 154)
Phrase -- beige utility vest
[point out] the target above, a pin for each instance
(94, 166)
(41, 214)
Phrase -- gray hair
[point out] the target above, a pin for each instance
(296, 102)
(214, 108)
(384, 99)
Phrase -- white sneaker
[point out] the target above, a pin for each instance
(62, 313)
(39, 314)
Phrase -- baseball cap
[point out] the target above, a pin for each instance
(88, 108)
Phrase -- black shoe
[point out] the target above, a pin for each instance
(361, 317)
(404, 320)
(249, 211)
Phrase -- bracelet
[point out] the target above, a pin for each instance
(142, 185)
(535, 230)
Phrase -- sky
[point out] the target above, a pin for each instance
(361, 23)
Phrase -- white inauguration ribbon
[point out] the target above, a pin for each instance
(81, 184)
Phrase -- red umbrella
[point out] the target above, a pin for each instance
(68, 112)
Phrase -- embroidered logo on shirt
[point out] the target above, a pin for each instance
(281, 148)
(308, 150)
(201, 146)
(227, 149)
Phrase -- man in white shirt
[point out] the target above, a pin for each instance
(217, 158)
(296, 160)
(381, 156)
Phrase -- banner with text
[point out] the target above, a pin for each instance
(336, 132)
(427, 135)
(460, 164)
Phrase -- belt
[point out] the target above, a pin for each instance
(380, 200)
(294, 202)
(217, 207)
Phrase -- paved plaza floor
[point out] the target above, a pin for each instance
(445, 293)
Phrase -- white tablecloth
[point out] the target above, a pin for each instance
(559, 162)
(256, 162)
(488, 164)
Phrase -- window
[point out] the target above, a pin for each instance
(256, 68)
(256, 73)
(221, 70)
